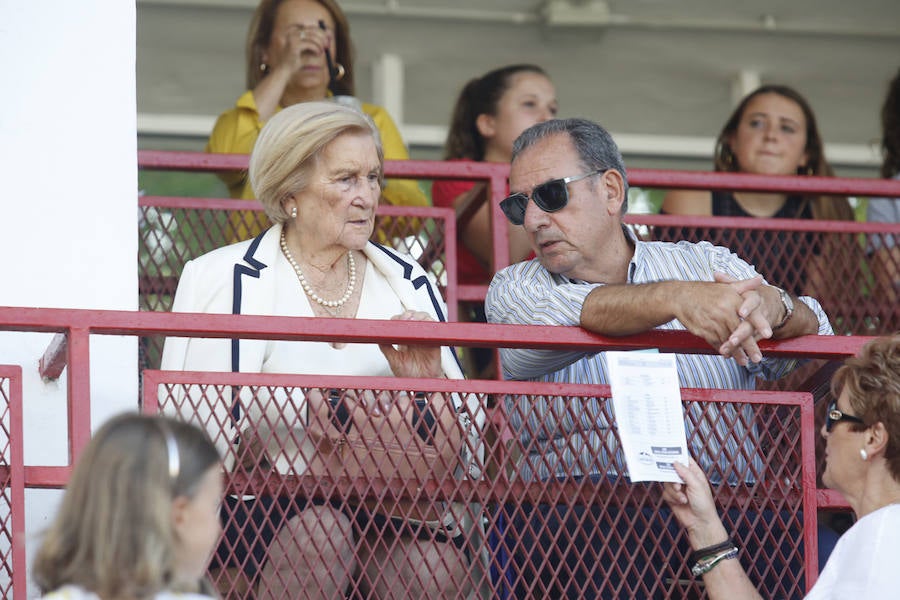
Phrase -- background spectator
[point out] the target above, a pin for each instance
(140, 516)
(772, 131)
(886, 256)
(490, 113)
(299, 51)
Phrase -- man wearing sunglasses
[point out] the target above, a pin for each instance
(569, 191)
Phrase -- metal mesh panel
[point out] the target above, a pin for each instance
(587, 533)
(12, 485)
(619, 540)
(838, 268)
(6, 506)
(373, 484)
(173, 231)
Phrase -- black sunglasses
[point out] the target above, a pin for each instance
(835, 416)
(549, 196)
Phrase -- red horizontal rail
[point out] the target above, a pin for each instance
(144, 323)
(653, 178)
(476, 386)
(163, 160)
(831, 500)
(791, 184)
(761, 223)
(194, 202)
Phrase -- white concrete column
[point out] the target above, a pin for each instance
(744, 82)
(69, 208)
(387, 84)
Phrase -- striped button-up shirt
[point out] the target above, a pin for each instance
(573, 437)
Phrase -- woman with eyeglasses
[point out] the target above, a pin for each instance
(862, 461)
(298, 51)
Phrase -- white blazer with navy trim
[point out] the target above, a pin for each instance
(237, 279)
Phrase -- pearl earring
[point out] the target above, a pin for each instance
(863, 454)
(294, 213)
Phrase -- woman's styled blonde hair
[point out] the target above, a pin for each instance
(291, 142)
(113, 534)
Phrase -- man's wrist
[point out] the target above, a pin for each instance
(707, 534)
(787, 304)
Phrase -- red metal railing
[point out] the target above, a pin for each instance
(79, 325)
(75, 327)
(779, 248)
(12, 484)
(776, 489)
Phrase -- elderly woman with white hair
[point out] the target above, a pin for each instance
(317, 170)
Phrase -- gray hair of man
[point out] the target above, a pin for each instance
(288, 147)
(595, 146)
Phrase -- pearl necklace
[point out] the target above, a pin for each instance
(351, 282)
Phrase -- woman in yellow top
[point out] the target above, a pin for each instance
(299, 51)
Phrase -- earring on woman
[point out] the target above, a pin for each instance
(863, 454)
(728, 156)
(263, 67)
(339, 72)
(294, 212)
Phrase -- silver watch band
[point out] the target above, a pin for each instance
(788, 304)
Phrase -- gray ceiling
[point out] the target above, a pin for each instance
(640, 67)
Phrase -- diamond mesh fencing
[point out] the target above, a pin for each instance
(6, 538)
(12, 486)
(853, 273)
(371, 490)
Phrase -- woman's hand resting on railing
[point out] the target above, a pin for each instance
(413, 361)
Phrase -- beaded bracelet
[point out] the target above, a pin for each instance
(705, 565)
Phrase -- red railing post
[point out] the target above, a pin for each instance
(79, 383)
(808, 434)
(17, 479)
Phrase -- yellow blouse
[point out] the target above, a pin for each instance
(236, 131)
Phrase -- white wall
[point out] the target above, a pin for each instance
(68, 155)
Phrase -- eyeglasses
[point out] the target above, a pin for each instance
(549, 196)
(834, 416)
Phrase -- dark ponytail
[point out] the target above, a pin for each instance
(479, 96)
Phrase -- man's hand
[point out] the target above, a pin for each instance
(726, 314)
(755, 322)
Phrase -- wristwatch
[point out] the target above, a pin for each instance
(788, 304)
